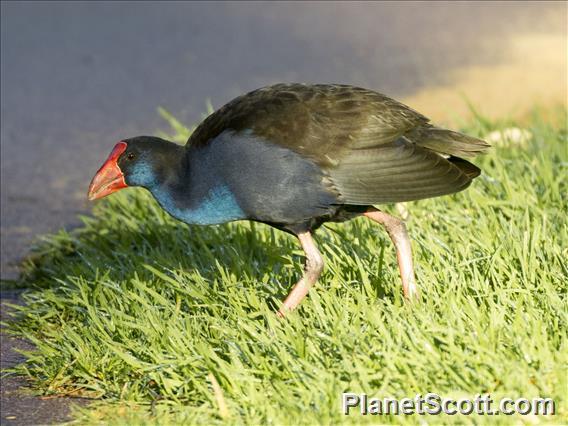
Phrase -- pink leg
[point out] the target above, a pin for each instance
(312, 271)
(397, 232)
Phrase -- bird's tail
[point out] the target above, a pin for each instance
(470, 170)
(447, 142)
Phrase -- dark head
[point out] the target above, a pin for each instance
(141, 161)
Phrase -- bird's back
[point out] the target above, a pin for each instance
(373, 148)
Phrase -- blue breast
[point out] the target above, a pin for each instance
(218, 206)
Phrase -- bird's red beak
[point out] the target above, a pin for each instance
(109, 178)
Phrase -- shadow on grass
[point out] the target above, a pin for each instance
(112, 246)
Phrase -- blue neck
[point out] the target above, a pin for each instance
(217, 206)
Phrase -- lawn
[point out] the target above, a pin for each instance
(163, 322)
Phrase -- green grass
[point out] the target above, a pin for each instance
(138, 310)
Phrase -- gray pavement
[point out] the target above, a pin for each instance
(78, 76)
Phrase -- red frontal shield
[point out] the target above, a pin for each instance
(109, 178)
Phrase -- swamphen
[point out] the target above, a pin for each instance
(295, 156)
